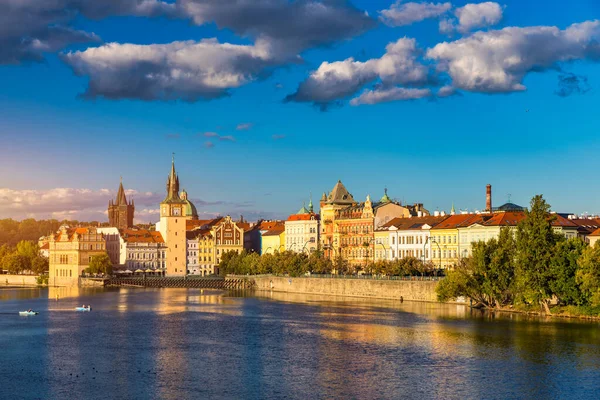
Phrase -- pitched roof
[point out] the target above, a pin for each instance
(413, 222)
(196, 233)
(303, 217)
(595, 233)
(460, 220)
(70, 232)
(278, 230)
(586, 226)
(141, 236)
(201, 223)
(340, 195)
(508, 218)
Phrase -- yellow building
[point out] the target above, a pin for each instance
(444, 238)
(382, 244)
(273, 240)
(70, 251)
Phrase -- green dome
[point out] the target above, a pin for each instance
(385, 198)
(190, 208)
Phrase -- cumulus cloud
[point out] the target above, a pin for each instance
(400, 14)
(447, 91)
(569, 83)
(337, 80)
(290, 26)
(227, 138)
(30, 28)
(187, 70)
(210, 134)
(497, 61)
(389, 94)
(478, 15)
(60, 203)
(244, 127)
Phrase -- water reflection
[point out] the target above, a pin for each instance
(179, 343)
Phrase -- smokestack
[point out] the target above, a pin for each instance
(488, 198)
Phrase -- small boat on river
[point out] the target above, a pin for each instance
(28, 312)
(88, 308)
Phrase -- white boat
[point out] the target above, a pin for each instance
(26, 313)
(88, 308)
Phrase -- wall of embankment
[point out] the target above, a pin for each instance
(368, 288)
(18, 280)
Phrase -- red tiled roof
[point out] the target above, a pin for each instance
(45, 246)
(141, 236)
(199, 223)
(303, 217)
(413, 222)
(508, 218)
(278, 230)
(460, 220)
(595, 233)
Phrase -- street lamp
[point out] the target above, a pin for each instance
(304, 247)
(437, 244)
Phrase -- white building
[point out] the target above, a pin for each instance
(302, 230)
(409, 237)
(115, 246)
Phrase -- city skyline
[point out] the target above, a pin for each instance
(257, 142)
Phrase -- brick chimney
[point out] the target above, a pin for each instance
(488, 198)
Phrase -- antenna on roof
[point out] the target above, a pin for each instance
(509, 197)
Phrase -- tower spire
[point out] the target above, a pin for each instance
(173, 182)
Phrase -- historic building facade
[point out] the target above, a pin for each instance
(70, 252)
(273, 240)
(339, 198)
(120, 212)
(302, 230)
(410, 237)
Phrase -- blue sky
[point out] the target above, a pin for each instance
(432, 149)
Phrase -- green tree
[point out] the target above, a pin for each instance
(16, 263)
(29, 250)
(588, 274)
(563, 271)
(39, 265)
(100, 264)
(536, 241)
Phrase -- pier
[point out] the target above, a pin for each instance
(183, 282)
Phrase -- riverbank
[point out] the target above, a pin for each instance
(572, 312)
(409, 290)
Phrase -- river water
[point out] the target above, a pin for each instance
(200, 344)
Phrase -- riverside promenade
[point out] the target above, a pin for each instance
(227, 283)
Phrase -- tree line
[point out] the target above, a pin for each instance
(25, 257)
(12, 232)
(532, 265)
(298, 264)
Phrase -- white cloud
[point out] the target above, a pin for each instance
(245, 126)
(337, 80)
(400, 14)
(389, 94)
(82, 204)
(498, 60)
(446, 91)
(478, 15)
(186, 70)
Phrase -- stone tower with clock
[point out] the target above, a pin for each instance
(173, 225)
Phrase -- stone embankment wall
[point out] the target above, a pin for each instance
(368, 288)
(20, 280)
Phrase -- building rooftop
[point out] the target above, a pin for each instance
(141, 236)
(340, 195)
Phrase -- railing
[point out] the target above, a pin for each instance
(333, 276)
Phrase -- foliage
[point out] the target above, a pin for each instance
(24, 257)
(42, 279)
(100, 264)
(535, 266)
(12, 232)
(588, 274)
(563, 271)
(535, 243)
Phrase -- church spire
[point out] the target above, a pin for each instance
(121, 199)
(173, 183)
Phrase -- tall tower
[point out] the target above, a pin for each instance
(172, 226)
(120, 213)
